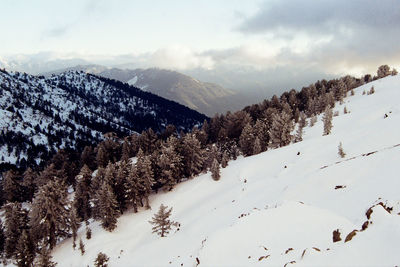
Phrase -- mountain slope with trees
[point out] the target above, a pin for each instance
(284, 206)
(130, 171)
(73, 109)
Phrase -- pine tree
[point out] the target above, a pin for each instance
(193, 158)
(246, 140)
(25, 250)
(88, 158)
(16, 220)
(107, 207)
(302, 123)
(327, 120)
(261, 131)
(50, 215)
(12, 187)
(257, 146)
(145, 176)
(162, 223)
(224, 160)
(74, 226)
(101, 157)
(120, 186)
(383, 71)
(133, 194)
(101, 260)
(29, 183)
(280, 132)
(82, 194)
(97, 181)
(215, 170)
(44, 258)
(170, 163)
(340, 91)
(345, 111)
(341, 152)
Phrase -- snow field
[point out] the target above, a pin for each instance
(278, 207)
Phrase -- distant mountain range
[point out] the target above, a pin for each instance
(207, 98)
(40, 115)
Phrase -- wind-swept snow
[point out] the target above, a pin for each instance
(279, 207)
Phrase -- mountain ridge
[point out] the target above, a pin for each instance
(205, 97)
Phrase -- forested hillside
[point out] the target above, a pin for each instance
(73, 109)
(121, 176)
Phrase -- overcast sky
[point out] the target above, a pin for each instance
(323, 36)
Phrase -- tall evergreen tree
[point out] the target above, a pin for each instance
(170, 163)
(29, 183)
(133, 186)
(224, 160)
(107, 207)
(120, 186)
(302, 123)
(257, 146)
(280, 132)
(193, 158)
(101, 157)
(145, 176)
(74, 226)
(50, 214)
(88, 158)
(215, 170)
(25, 250)
(50, 173)
(261, 131)
(11, 186)
(97, 180)
(16, 220)
(327, 120)
(246, 140)
(82, 193)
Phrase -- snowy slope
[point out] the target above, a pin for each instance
(278, 207)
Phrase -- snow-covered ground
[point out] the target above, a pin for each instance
(279, 207)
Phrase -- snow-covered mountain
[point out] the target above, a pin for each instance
(207, 98)
(280, 207)
(41, 115)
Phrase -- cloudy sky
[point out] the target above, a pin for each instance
(226, 36)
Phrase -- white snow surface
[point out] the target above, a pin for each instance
(133, 80)
(265, 214)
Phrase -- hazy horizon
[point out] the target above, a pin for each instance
(248, 45)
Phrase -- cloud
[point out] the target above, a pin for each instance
(337, 35)
(322, 15)
(180, 57)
